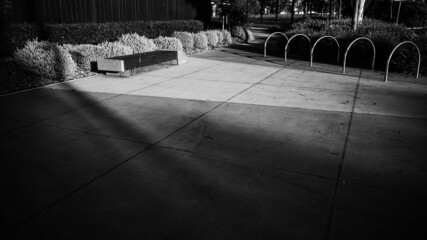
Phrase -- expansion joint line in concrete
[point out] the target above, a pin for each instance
(71, 193)
(76, 190)
(340, 166)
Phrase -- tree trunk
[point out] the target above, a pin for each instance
(360, 12)
(292, 11)
(359, 7)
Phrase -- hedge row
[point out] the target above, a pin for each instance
(385, 37)
(15, 35)
(68, 61)
(203, 40)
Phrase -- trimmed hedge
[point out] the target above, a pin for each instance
(212, 38)
(168, 43)
(220, 35)
(138, 43)
(186, 39)
(227, 40)
(200, 42)
(46, 59)
(114, 49)
(95, 33)
(84, 54)
(15, 35)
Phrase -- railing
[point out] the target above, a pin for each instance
(349, 46)
(266, 41)
(391, 54)
(318, 40)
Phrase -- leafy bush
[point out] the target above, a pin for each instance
(384, 35)
(200, 42)
(16, 36)
(138, 43)
(220, 35)
(212, 38)
(114, 49)
(239, 33)
(46, 59)
(84, 54)
(186, 39)
(168, 43)
(95, 33)
(227, 38)
(412, 13)
(250, 36)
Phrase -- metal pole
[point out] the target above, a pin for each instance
(222, 23)
(398, 13)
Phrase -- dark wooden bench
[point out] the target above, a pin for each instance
(129, 63)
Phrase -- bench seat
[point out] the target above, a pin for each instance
(122, 64)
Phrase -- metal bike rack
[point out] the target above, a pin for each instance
(265, 44)
(312, 49)
(349, 46)
(290, 39)
(391, 54)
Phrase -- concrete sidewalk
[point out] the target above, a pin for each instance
(228, 146)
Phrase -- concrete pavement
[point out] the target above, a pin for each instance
(228, 146)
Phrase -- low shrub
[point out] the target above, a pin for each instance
(137, 43)
(212, 38)
(250, 36)
(200, 42)
(228, 40)
(220, 36)
(114, 49)
(239, 33)
(15, 36)
(46, 59)
(168, 43)
(186, 39)
(84, 54)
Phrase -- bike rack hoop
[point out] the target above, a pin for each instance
(349, 46)
(266, 41)
(318, 40)
(391, 54)
(289, 41)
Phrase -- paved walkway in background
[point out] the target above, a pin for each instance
(228, 146)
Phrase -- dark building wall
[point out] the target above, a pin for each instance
(74, 11)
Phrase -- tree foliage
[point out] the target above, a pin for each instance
(240, 10)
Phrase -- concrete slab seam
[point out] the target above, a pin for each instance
(95, 134)
(339, 172)
(45, 86)
(253, 85)
(233, 160)
(201, 69)
(313, 88)
(72, 192)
